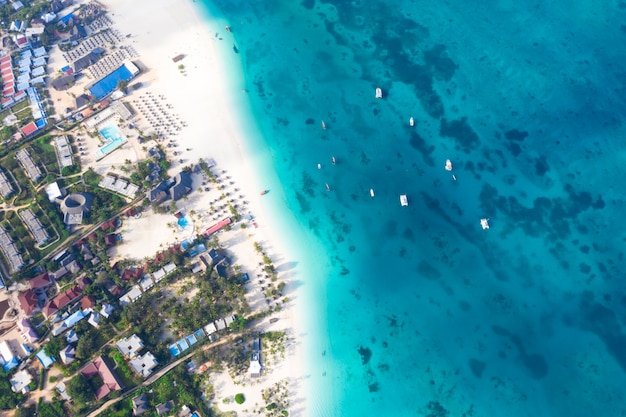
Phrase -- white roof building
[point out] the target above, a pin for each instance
(210, 328)
(68, 355)
(143, 365)
(107, 309)
(158, 275)
(63, 391)
(94, 319)
(169, 268)
(132, 295)
(146, 283)
(20, 381)
(129, 347)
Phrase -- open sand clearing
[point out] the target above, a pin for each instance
(206, 101)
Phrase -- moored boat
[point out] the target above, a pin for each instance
(411, 122)
(379, 92)
(265, 192)
(484, 223)
(403, 200)
(327, 187)
(323, 125)
(371, 192)
(333, 160)
(227, 28)
(448, 166)
(319, 166)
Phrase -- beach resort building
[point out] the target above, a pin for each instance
(63, 151)
(34, 226)
(174, 189)
(9, 251)
(28, 333)
(119, 185)
(6, 189)
(75, 207)
(32, 170)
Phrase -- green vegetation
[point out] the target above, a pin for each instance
(8, 398)
(79, 389)
(240, 398)
(54, 409)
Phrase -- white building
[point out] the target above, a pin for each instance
(143, 365)
(21, 381)
(129, 347)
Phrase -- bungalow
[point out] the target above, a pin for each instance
(146, 283)
(106, 311)
(219, 323)
(68, 355)
(94, 319)
(165, 408)
(217, 255)
(131, 296)
(140, 405)
(110, 239)
(132, 273)
(110, 381)
(87, 302)
(181, 187)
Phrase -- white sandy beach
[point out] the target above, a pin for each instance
(206, 100)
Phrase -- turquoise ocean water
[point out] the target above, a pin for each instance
(417, 310)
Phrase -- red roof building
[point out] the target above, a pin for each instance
(40, 282)
(87, 301)
(28, 301)
(29, 129)
(132, 273)
(61, 300)
(109, 224)
(110, 382)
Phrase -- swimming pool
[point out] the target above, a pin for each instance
(183, 222)
(113, 140)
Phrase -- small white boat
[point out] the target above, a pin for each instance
(323, 125)
(371, 192)
(403, 200)
(454, 177)
(484, 223)
(379, 92)
(333, 160)
(327, 187)
(448, 166)
(411, 122)
(319, 166)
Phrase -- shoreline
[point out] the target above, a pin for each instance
(210, 100)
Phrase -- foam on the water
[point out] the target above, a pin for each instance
(422, 310)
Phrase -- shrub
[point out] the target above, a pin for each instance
(240, 398)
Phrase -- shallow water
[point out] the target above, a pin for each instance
(424, 311)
